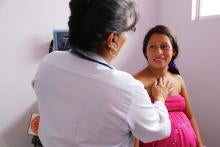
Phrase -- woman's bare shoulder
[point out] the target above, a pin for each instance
(145, 77)
(177, 77)
(180, 79)
(140, 75)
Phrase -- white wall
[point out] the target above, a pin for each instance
(198, 62)
(25, 32)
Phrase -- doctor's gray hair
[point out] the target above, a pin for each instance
(91, 21)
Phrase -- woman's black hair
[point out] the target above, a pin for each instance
(91, 21)
(161, 29)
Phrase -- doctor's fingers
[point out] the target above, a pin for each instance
(162, 81)
(155, 83)
(169, 86)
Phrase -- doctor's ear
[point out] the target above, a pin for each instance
(112, 42)
(112, 38)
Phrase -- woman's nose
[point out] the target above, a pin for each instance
(159, 50)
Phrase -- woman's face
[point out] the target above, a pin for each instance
(159, 51)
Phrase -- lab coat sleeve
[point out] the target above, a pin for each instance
(148, 121)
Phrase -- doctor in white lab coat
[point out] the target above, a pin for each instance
(86, 102)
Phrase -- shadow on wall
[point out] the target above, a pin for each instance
(40, 48)
(16, 135)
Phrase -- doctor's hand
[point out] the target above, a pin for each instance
(160, 89)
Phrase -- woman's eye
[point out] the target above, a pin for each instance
(164, 46)
(152, 46)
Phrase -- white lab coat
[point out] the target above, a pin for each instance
(86, 104)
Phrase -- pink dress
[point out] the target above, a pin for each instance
(182, 133)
